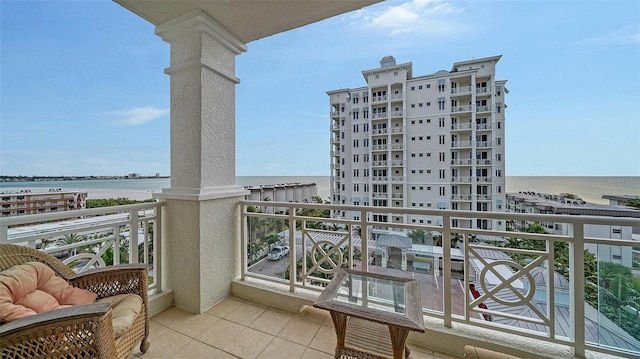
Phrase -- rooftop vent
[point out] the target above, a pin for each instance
(388, 61)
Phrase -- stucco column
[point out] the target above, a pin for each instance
(201, 225)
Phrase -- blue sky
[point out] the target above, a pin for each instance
(83, 89)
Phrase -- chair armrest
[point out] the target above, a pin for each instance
(52, 318)
(113, 280)
(61, 333)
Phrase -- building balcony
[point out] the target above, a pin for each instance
(461, 108)
(379, 195)
(379, 163)
(461, 162)
(459, 91)
(379, 178)
(398, 179)
(461, 127)
(461, 144)
(483, 126)
(462, 179)
(380, 115)
(397, 163)
(461, 197)
(379, 131)
(480, 109)
(483, 162)
(483, 90)
(378, 98)
(396, 96)
(379, 147)
(396, 114)
(269, 301)
(397, 130)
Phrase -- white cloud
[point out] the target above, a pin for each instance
(629, 35)
(139, 115)
(415, 16)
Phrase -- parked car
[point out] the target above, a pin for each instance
(278, 252)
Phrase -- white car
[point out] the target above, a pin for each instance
(278, 252)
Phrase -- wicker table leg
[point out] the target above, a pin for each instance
(398, 338)
(340, 325)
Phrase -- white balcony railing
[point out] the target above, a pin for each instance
(507, 288)
(461, 108)
(93, 238)
(461, 162)
(461, 90)
(461, 126)
(483, 108)
(509, 282)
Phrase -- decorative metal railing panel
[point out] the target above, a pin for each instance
(93, 238)
(526, 283)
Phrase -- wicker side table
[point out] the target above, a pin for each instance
(372, 314)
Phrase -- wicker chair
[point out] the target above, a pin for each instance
(83, 331)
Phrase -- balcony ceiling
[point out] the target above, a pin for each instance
(247, 19)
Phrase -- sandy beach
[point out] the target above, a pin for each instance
(97, 193)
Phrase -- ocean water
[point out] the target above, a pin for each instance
(590, 189)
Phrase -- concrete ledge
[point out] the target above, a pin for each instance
(273, 294)
(453, 340)
(436, 337)
(160, 301)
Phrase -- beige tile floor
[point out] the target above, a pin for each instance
(236, 328)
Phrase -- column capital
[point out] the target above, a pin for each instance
(198, 20)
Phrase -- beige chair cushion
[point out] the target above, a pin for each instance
(125, 309)
(33, 287)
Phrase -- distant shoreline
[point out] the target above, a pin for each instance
(20, 179)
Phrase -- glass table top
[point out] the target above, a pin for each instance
(371, 292)
(377, 297)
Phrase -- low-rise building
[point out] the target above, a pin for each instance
(23, 202)
(533, 202)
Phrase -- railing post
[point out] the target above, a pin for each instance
(576, 273)
(364, 241)
(157, 248)
(4, 234)
(292, 250)
(133, 236)
(244, 241)
(446, 268)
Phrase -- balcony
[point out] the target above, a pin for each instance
(379, 115)
(201, 238)
(461, 144)
(265, 295)
(261, 293)
(461, 162)
(461, 126)
(461, 108)
(483, 108)
(459, 91)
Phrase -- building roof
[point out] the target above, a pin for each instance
(394, 240)
(621, 197)
(558, 204)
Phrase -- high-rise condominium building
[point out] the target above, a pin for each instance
(434, 142)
